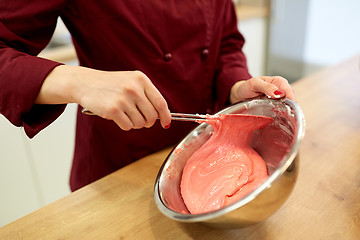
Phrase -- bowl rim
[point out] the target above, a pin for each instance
(285, 162)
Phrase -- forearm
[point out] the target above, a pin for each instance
(60, 86)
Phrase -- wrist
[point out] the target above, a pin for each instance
(72, 80)
(61, 86)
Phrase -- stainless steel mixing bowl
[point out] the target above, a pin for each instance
(278, 144)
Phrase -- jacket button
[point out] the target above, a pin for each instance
(205, 52)
(167, 57)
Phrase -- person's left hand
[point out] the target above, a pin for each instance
(273, 87)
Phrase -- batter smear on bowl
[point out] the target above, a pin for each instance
(225, 168)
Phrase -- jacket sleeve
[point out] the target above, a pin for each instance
(231, 66)
(26, 28)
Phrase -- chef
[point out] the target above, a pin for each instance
(139, 61)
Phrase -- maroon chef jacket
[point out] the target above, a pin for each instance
(190, 49)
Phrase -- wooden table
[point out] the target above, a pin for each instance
(325, 203)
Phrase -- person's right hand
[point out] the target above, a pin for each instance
(127, 97)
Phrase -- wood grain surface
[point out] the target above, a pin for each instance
(325, 203)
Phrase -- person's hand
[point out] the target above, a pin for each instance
(127, 97)
(273, 87)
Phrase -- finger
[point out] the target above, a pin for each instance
(118, 114)
(136, 118)
(148, 112)
(283, 86)
(124, 114)
(286, 87)
(260, 85)
(160, 105)
(123, 121)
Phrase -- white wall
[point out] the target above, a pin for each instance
(18, 192)
(288, 26)
(52, 152)
(307, 35)
(34, 173)
(333, 32)
(254, 31)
